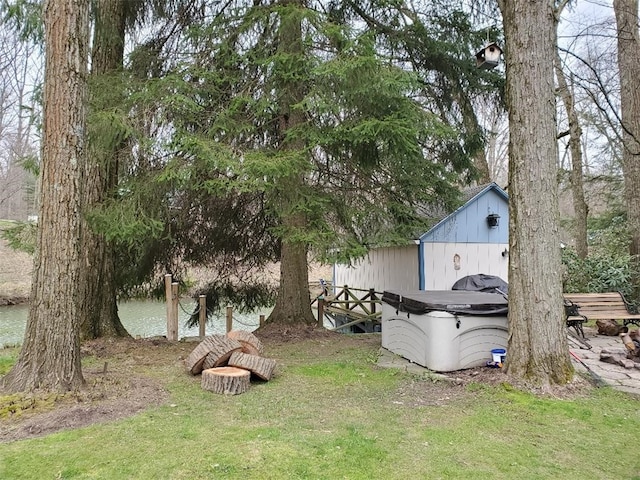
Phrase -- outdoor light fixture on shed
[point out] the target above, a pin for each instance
(493, 220)
(489, 57)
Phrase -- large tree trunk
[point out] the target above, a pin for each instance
(575, 147)
(538, 350)
(293, 303)
(626, 12)
(50, 354)
(100, 311)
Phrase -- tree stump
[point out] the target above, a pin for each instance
(213, 351)
(260, 366)
(250, 343)
(226, 380)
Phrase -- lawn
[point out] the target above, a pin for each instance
(329, 413)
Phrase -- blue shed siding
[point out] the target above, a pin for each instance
(468, 224)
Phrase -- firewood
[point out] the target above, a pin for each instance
(226, 380)
(610, 328)
(250, 343)
(213, 351)
(260, 366)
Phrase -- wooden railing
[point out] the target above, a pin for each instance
(358, 305)
(335, 304)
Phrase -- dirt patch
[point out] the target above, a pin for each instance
(440, 390)
(429, 392)
(578, 387)
(108, 397)
(116, 388)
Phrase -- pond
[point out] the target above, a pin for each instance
(143, 318)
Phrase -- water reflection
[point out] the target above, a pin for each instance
(12, 322)
(144, 318)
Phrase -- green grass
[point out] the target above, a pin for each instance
(334, 415)
(7, 359)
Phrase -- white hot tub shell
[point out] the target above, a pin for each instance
(444, 331)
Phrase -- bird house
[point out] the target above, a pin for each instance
(489, 57)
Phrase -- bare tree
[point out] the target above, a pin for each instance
(20, 66)
(50, 355)
(575, 147)
(496, 125)
(538, 350)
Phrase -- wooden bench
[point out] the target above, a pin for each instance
(581, 307)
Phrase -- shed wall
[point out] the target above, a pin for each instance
(469, 223)
(382, 269)
(441, 268)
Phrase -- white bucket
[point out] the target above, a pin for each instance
(498, 355)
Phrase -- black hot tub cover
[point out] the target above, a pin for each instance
(457, 302)
(482, 283)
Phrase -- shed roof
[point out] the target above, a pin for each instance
(468, 196)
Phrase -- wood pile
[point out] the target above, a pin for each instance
(227, 362)
(610, 328)
(630, 356)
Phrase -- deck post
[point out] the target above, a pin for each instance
(172, 330)
(320, 311)
(372, 300)
(202, 315)
(229, 318)
(167, 296)
(346, 297)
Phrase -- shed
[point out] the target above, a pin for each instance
(473, 239)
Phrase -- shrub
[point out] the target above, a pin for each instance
(607, 268)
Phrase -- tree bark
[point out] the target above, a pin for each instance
(213, 351)
(250, 343)
(260, 366)
(226, 380)
(50, 354)
(293, 303)
(99, 315)
(575, 147)
(626, 12)
(538, 350)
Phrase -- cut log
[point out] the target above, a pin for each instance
(250, 343)
(260, 366)
(610, 328)
(213, 351)
(226, 380)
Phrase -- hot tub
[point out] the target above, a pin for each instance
(444, 330)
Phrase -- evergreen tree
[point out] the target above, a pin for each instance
(99, 311)
(279, 101)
